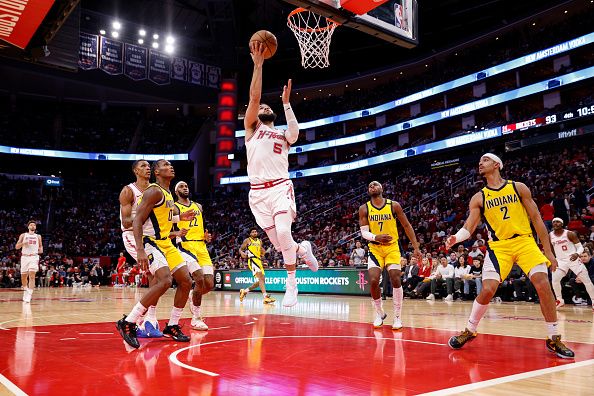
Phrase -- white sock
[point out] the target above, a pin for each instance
(552, 329)
(136, 313)
(291, 277)
(378, 306)
(397, 296)
(585, 278)
(151, 314)
(478, 311)
(176, 313)
(196, 311)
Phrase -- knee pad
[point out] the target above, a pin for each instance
(285, 239)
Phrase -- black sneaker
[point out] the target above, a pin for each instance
(557, 347)
(175, 333)
(457, 342)
(128, 332)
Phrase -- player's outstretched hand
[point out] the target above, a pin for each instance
(450, 241)
(383, 238)
(207, 236)
(287, 91)
(187, 216)
(417, 254)
(142, 259)
(257, 52)
(574, 257)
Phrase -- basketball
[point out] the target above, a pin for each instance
(269, 40)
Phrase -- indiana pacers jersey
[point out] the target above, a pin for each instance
(382, 221)
(158, 224)
(254, 248)
(195, 227)
(504, 213)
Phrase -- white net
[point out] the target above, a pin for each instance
(313, 33)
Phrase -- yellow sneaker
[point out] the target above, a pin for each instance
(242, 294)
(269, 300)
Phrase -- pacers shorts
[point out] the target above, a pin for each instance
(501, 256)
(162, 253)
(196, 256)
(382, 255)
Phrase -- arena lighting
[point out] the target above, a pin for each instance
(140, 41)
(116, 25)
(142, 32)
(155, 45)
(469, 79)
(115, 34)
(102, 32)
(169, 40)
(155, 36)
(169, 49)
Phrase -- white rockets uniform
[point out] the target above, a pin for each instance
(564, 248)
(127, 233)
(30, 253)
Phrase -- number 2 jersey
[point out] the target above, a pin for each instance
(504, 213)
(267, 155)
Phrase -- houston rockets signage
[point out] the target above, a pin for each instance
(19, 19)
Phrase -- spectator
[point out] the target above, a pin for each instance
(476, 273)
(443, 274)
(462, 277)
(548, 213)
(424, 281)
(357, 255)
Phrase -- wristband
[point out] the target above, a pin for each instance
(462, 235)
(175, 218)
(366, 234)
(579, 248)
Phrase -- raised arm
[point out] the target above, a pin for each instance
(292, 133)
(126, 203)
(541, 229)
(251, 113)
(410, 233)
(474, 217)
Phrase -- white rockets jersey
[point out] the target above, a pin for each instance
(137, 194)
(562, 245)
(267, 155)
(30, 244)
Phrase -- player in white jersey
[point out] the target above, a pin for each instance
(31, 246)
(271, 198)
(129, 199)
(568, 250)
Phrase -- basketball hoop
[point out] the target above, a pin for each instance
(313, 33)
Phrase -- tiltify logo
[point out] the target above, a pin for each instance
(361, 281)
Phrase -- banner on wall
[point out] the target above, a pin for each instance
(196, 74)
(111, 54)
(159, 68)
(213, 76)
(325, 281)
(87, 51)
(179, 69)
(135, 61)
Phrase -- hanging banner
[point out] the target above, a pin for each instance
(135, 61)
(111, 56)
(196, 74)
(88, 51)
(214, 76)
(159, 68)
(179, 69)
(20, 19)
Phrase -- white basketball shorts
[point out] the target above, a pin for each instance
(576, 266)
(129, 243)
(29, 264)
(266, 203)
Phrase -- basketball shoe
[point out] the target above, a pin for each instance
(457, 342)
(308, 256)
(379, 319)
(557, 347)
(128, 332)
(397, 325)
(559, 303)
(290, 298)
(198, 324)
(175, 332)
(148, 329)
(268, 299)
(242, 294)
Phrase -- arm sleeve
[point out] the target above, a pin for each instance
(292, 132)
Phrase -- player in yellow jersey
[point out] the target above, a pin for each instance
(507, 208)
(192, 245)
(152, 224)
(377, 219)
(252, 250)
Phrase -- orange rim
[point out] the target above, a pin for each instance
(331, 23)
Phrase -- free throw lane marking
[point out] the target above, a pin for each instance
(11, 387)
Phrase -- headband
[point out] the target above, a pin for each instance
(494, 158)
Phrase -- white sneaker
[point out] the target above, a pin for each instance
(560, 303)
(290, 298)
(397, 325)
(198, 324)
(308, 256)
(27, 295)
(379, 319)
(430, 297)
(449, 298)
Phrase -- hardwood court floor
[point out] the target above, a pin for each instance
(65, 342)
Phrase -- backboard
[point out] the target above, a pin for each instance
(393, 20)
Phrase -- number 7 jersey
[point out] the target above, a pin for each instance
(382, 220)
(504, 213)
(267, 155)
